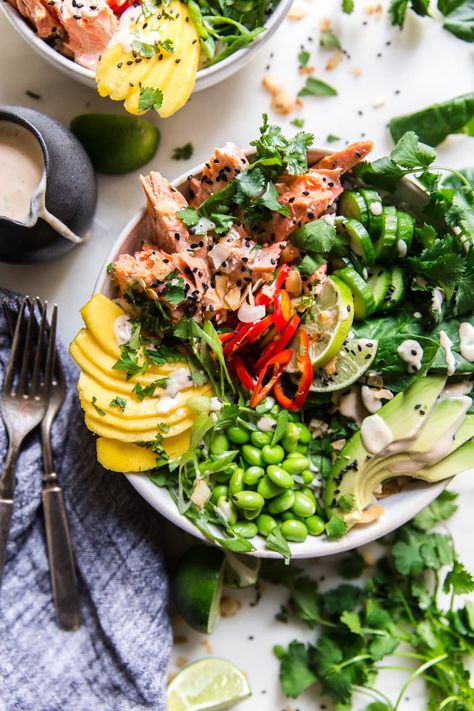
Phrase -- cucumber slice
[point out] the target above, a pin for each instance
(396, 290)
(352, 204)
(405, 231)
(385, 244)
(364, 303)
(378, 282)
(359, 240)
(374, 205)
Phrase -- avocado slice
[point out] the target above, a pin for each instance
(402, 418)
(458, 462)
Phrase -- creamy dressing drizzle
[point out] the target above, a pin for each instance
(376, 208)
(456, 389)
(437, 300)
(180, 379)
(123, 330)
(466, 339)
(372, 397)
(21, 170)
(124, 35)
(412, 353)
(446, 344)
(402, 248)
(376, 434)
(266, 424)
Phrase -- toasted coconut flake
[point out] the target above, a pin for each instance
(334, 60)
(249, 313)
(234, 298)
(219, 253)
(222, 283)
(372, 514)
(294, 283)
(201, 493)
(338, 444)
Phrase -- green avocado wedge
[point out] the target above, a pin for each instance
(116, 144)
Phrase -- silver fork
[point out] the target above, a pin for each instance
(62, 567)
(23, 403)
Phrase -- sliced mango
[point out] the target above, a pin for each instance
(122, 75)
(125, 457)
(101, 428)
(100, 314)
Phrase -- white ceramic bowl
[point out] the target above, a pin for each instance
(205, 77)
(398, 508)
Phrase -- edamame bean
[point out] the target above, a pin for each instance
(268, 489)
(290, 438)
(246, 529)
(309, 493)
(283, 502)
(280, 477)
(315, 525)
(252, 455)
(301, 448)
(250, 500)
(227, 509)
(303, 505)
(265, 524)
(273, 455)
(219, 443)
(304, 433)
(260, 439)
(253, 475)
(295, 464)
(307, 476)
(287, 516)
(294, 530)
(251, 515)
(236, 482)
(217, 492)
(238, 435)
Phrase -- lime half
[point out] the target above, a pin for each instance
(329, 321)
(354, 358)
(198, 586)
(207, 685)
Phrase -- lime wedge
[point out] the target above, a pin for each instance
(198, 586)
(354, 358)
(241, 571)
(116, 144)
(329, 321)
(209, 684)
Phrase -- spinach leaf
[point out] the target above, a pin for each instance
(410, 155)
(393, 368)
(316, 87)
(460, 21)
(434, 123)
(398, 8)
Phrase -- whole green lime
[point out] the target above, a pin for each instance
(116, 144)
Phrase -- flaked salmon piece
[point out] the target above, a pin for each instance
(239, 257)
(144, 268)
(89, 26)
(346, 158)
(163, 202)
(43, 21)
(224, 164)
(204, 293)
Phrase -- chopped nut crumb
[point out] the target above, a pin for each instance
(325, 25)
(306, 70)
(355, 71)
(180, 639)
(205, 643)
(297, 12)
(379, 102)
(334, 60)
(374, 11)
(270, 84)
(371, 514)
(282, 102)
(368, 557)
(229, 606)
(181, 661)
(170, 677)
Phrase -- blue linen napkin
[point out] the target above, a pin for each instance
(117, 660)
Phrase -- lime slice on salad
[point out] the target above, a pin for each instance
(241, 571)
(116, 144)
(354, 358)
(330, 320)
(209, 684)
(198, 586)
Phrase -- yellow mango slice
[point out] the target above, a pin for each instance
(125, 457)
(100, 314)
(104, 430)
(123, 75)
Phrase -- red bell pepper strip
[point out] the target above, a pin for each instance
(306, 369)
(281, 277)
(279, 362)
(279, 344)
(243, 374)
(239, 337)
(259, 327)
(281, 309)
(223, 337)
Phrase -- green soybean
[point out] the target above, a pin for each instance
(315, 525)
(227, 509)
(301, 448)
(219, 443)
(295, 464)
(280, 477)
(236, 482)
(265, 524)
(303, 506)
(253, 475)
(294, 530)
(217, 492)
(260, 439)
(246, 529)
(238, 435)
(252, 455)
(304, 433)
(273, 455)
(309, 493)
(307, 476)
(283, 502)
(248, 500)
(268, 489)
(290, 438)
(251, 515)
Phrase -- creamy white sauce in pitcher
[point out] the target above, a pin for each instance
(21, 168)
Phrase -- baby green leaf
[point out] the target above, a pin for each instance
(434, 123)
(316, 87)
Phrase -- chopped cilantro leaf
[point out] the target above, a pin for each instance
(303, 58)
(331, 138)
(316, 87)
(329, 40)
(189, 216)
(336, 527)
(184, 152)
(149, 390)
(298, 122)
(96, 407)
(150, 99)
(109, 268)
(120, 402)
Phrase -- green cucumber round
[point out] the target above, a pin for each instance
(386, 242)
(359, 240)
(396, 290)
(378, 282)
(364, 303)
(374, 205)
(352, 204)
(405, 232)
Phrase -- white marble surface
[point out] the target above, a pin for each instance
(423, 64)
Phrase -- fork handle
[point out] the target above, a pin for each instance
(61, 559)
(7, 488)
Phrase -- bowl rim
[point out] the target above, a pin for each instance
(21, 25)
(420, 494)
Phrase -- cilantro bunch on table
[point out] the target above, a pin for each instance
(389, 616)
